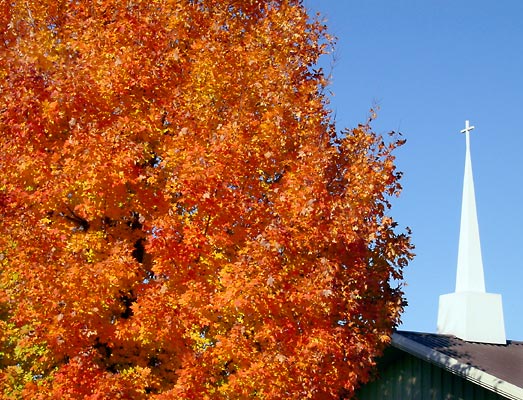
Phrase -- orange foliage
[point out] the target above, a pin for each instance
(179, 218)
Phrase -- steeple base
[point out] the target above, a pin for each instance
(472, 316)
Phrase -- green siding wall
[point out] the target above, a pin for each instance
(411, 378)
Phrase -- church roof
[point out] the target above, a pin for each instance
(496, 367)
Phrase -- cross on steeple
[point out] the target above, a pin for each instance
(466, 131)
(468, 128)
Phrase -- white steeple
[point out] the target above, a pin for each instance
(469, 277)
(470, 313)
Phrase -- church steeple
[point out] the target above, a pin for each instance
(469, 277)
(470, 313)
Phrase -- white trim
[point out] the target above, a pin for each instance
(452, 365)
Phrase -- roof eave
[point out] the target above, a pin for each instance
(452, 365)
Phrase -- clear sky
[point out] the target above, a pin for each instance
(430, 65)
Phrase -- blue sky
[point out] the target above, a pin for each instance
(430, 65)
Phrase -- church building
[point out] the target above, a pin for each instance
(469, 358)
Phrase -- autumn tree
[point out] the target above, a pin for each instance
(179, 217)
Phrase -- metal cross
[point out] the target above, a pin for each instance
(468, 128)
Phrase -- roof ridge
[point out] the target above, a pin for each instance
(509, 341)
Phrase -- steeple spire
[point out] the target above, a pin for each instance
(469, 277)
(470, 313)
